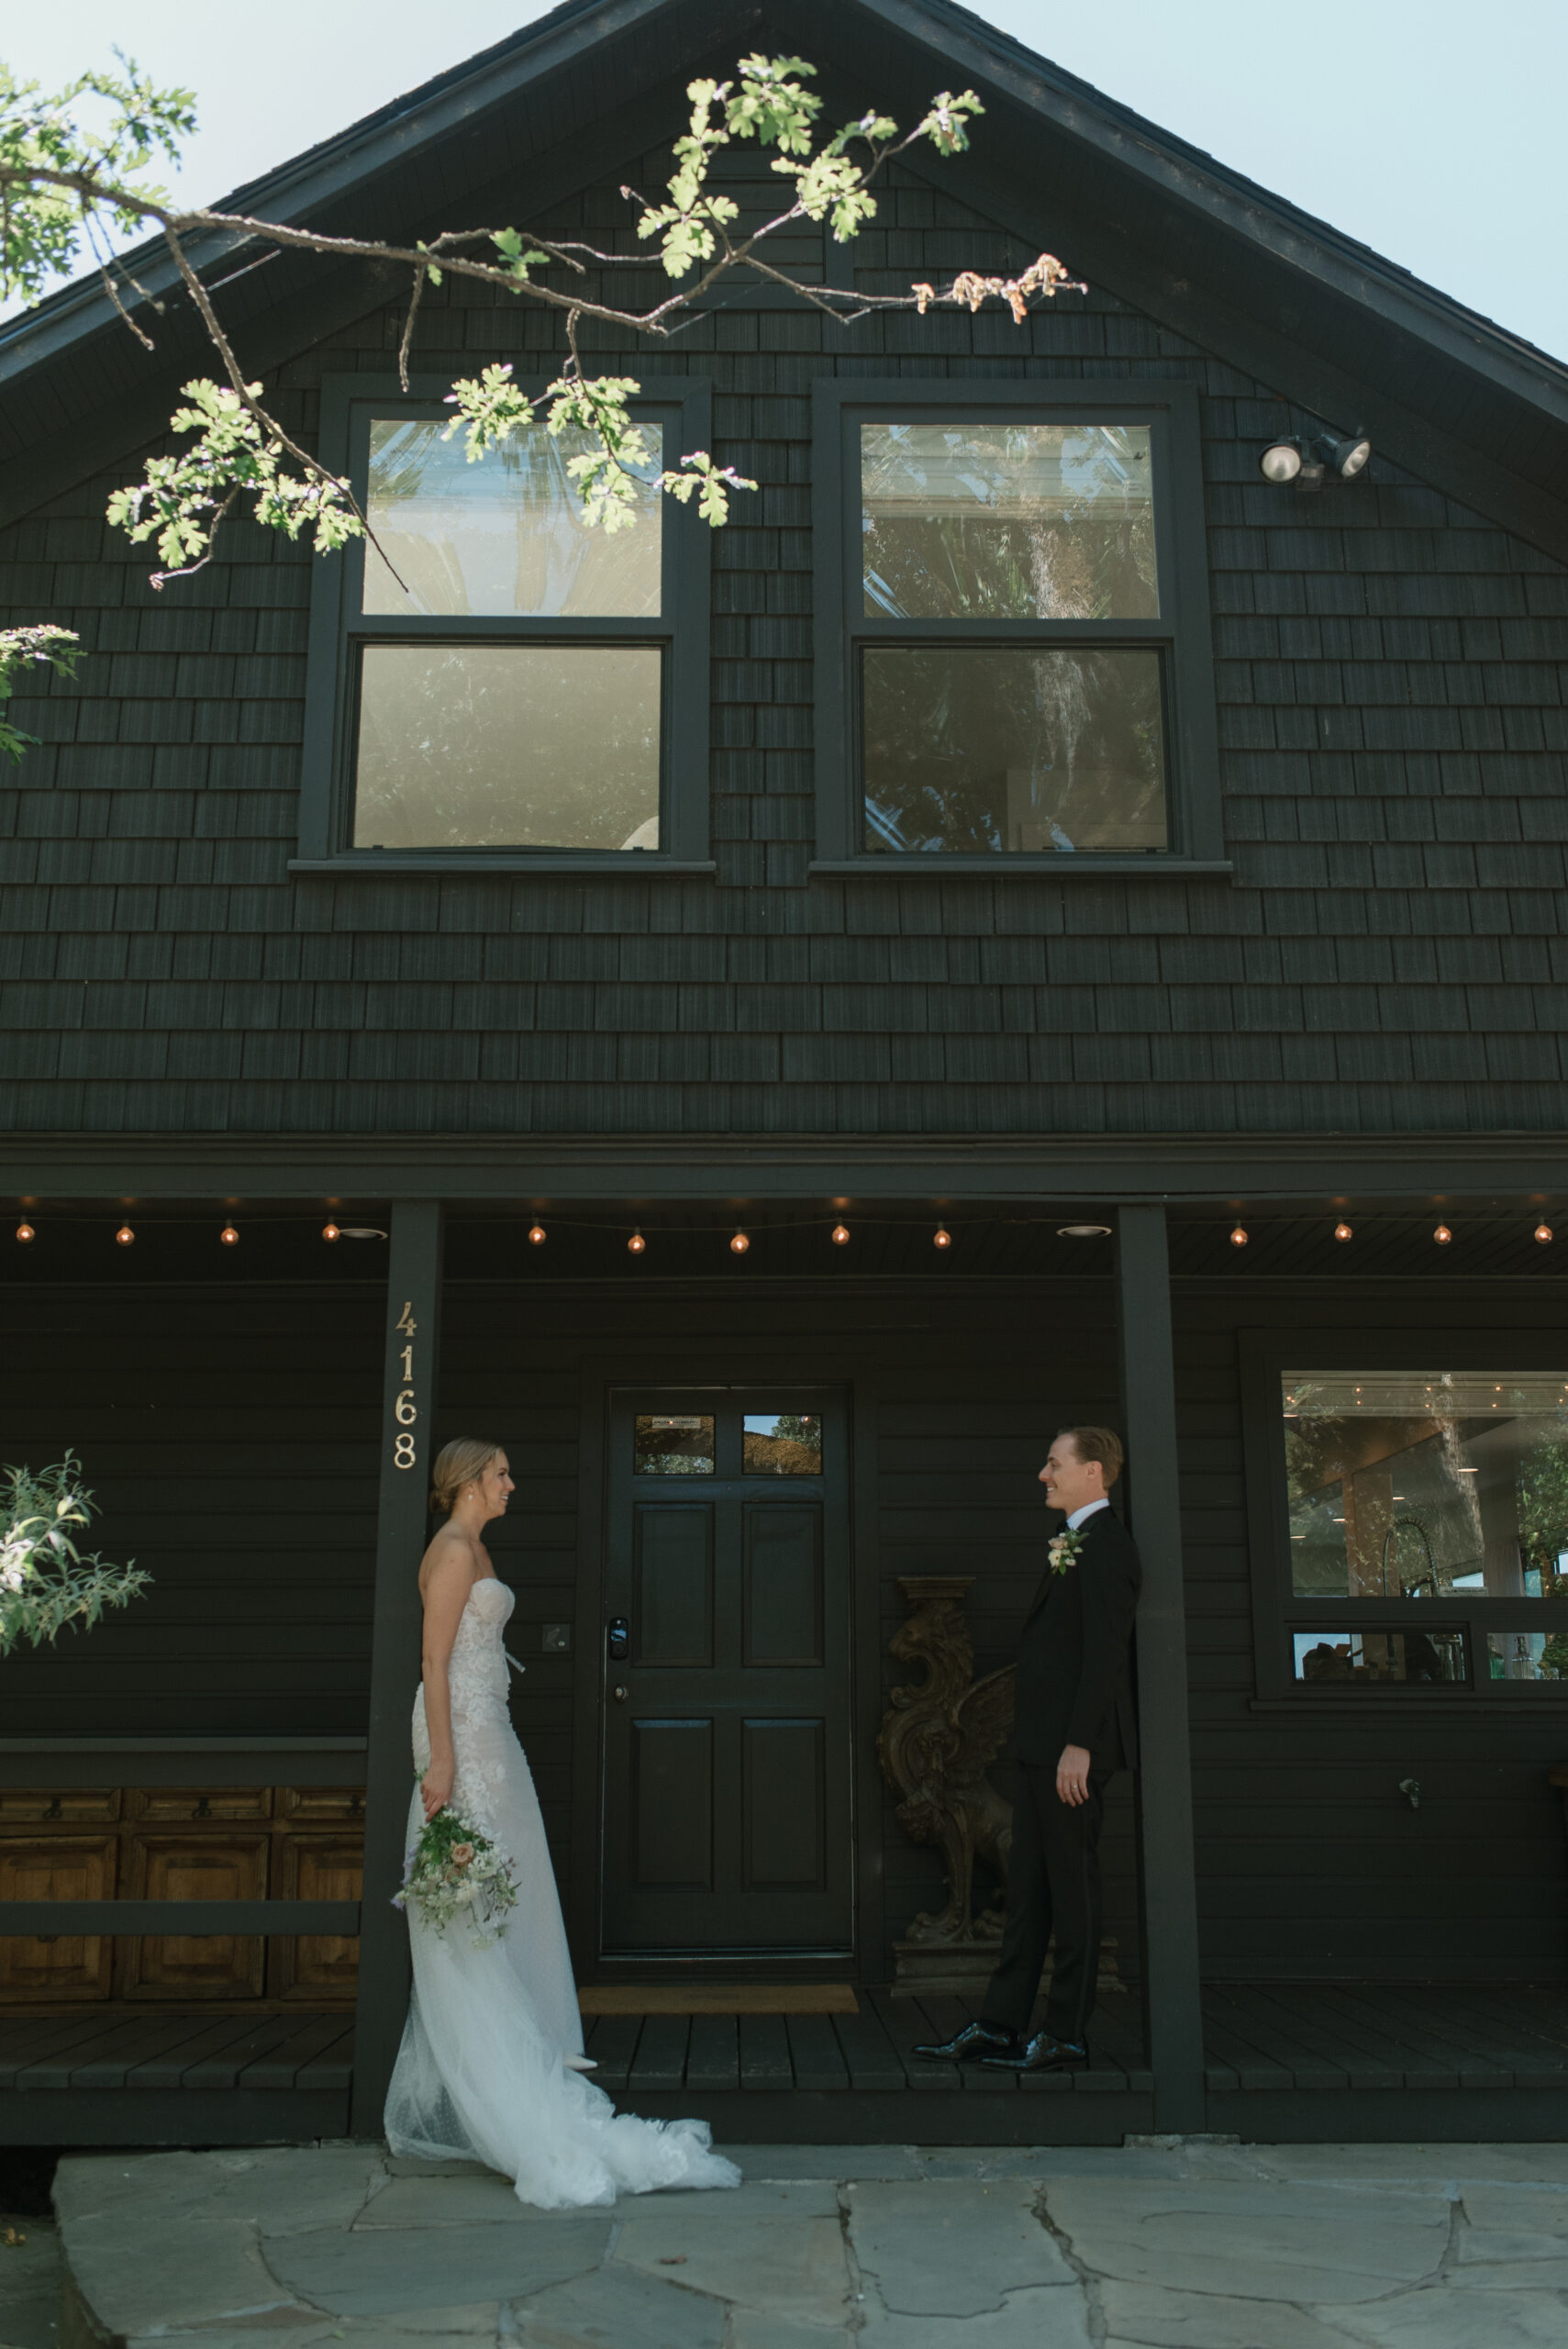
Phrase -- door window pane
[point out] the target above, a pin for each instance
(675, 1444)
(1423, 1484)
(506, 534)
(1528, 1655)
(508, 746)
(1016, 749)
(1008, 521)
(781, 1444)
(1372, 1659)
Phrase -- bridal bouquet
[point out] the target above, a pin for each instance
(455, 1873)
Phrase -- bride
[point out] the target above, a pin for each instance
(491, 2066)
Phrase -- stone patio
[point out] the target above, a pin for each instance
(1158, 2244)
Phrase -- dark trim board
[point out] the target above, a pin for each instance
(173, 2117)
(1392, 2116)
(1239, 1170)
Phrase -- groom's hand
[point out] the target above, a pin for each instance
(1072, 1774)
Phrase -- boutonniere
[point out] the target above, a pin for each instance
(1063, 1549)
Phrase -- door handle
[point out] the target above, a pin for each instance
(619, 1694)
(618, 1639)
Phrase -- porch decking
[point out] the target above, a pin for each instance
(1287, 2063)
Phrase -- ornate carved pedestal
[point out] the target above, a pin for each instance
(936, 1744)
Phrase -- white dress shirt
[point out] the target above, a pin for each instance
(1080, 1516)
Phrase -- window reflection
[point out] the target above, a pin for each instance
(507, 535)
(784, 1443)
(1008, 521)
(1012, 749)
(1379, 1658)
(508, 746)
(1419, 1485)
(1528, 1655)
(673, 1443)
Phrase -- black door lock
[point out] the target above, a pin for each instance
(620, 1639)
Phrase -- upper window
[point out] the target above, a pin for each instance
(1020, 666)
(1423, 1514)
(507, 683)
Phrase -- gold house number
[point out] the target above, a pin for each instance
(405, 1411)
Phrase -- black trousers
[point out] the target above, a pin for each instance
(1053, 1884)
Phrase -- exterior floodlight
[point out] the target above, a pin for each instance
(1280, 461)
(1348, 457)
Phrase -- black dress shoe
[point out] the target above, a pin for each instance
(1043, 2054)
(975, 2042)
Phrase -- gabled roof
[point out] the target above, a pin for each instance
(1323, 320)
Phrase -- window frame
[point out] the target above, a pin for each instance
(1263, 1356)
(1182, 633)
(339, 628)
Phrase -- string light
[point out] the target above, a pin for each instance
(329, 1231)
(942, 1237)
(125, 1235)
(1238, 1237)
(536, 1234)
(637, 1244)
(738, 1243)
(1443, 1235)
(228, 1235)
(25, 1231)
(840, 1235)
(1341, 1231)
(1543, 1233)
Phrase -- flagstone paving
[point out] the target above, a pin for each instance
(1158, 2244)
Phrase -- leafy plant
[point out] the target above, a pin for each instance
(68, 188)
(46, 1582)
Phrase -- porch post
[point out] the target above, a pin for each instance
(413, 1346)
(1169, 1882)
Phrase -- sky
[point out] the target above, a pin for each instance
(1429, 129)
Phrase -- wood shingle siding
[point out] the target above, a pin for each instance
(1388, 954)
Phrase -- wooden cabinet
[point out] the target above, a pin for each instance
(208, 1866)
(199, 1803)
(56, 1868)
(210, 1843)
(319, 1967)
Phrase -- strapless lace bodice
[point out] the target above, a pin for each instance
(477, 1672)
(482, 1727)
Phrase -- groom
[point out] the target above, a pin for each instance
(1073, 1725)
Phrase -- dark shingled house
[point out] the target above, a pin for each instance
(1122, 892)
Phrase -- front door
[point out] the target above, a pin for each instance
(728, 1824)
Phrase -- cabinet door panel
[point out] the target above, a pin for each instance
(194, 1866)
(316, 1966)
(55, 1966)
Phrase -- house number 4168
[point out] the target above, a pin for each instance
(405, 1410)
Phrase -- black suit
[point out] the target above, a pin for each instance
(1074, 1687)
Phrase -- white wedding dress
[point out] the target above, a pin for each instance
(483, 2073)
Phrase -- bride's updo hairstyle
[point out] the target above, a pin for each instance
(458, 1463)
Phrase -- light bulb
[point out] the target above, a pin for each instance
(840, 1235)
(125, 1235)
(1543, 1233)
(637, 1243)
(536, 1233)
(1281, 462)
(228, 1235)
(329, 1231)
(1443, 1235)
(942, 1237)
(738, 1243)
(1341, 1231)
(24, 1232)
(1238, 1237)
